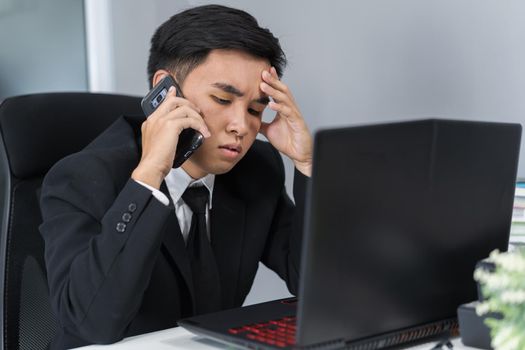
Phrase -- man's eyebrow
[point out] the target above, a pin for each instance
(229, 89)
(264, 100)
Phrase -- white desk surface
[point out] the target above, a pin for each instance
(180, 339)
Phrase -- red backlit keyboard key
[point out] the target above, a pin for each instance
(278, 332)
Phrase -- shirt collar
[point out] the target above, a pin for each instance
(178, 180)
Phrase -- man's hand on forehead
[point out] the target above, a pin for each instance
(288, 131)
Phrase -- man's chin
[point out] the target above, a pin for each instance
(220, 169)
(198, 170)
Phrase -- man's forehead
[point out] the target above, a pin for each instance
(233, 62)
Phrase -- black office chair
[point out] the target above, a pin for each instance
(35, 132)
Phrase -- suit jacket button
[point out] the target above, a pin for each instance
(132, 207)
(126, 217)
(121, 227)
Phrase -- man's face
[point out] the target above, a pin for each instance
(226, 89)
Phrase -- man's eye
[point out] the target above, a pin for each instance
(221, 100)
(254, 112)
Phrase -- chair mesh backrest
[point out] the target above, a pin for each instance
(35, 132)
(28, 320)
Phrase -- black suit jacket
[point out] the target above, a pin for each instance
(113, 275)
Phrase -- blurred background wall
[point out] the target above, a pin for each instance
(350, 62)
(42, 46)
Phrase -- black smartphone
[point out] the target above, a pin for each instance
(189, 139)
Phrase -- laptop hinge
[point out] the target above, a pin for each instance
(423, 333)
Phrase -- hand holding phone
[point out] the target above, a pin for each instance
(189, 139)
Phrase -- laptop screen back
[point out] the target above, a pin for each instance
(398, 216)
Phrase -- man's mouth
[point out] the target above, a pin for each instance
(232, 147)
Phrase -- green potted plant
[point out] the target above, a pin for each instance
(503, 290)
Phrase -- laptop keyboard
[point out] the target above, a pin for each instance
(278, 332)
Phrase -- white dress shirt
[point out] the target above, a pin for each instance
(177, 181)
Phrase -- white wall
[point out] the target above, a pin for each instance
(368, 60)
(37, 54)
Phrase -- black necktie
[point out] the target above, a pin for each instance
(206, 282)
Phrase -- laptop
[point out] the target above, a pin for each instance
(398, 215)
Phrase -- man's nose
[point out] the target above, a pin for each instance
(238, 123)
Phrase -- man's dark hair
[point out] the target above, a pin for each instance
(184, 41)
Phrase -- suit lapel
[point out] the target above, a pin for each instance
(227, 234)
(175, 246)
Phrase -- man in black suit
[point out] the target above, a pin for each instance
(117, 218)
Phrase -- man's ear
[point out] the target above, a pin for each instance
(159, 75)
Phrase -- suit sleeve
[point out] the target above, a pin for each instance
(101, 243)
(282, 253)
